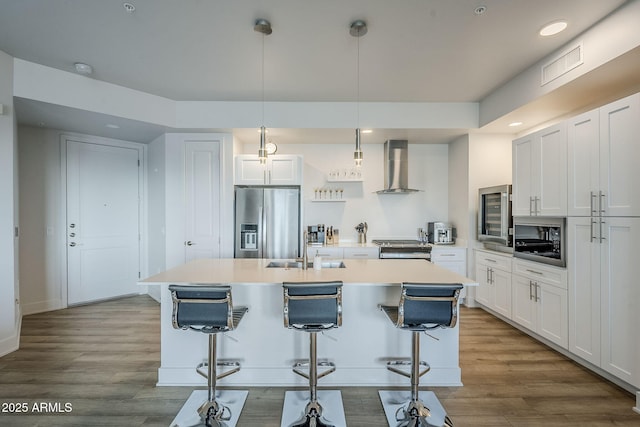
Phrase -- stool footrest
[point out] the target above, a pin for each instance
(321, 364)
(393, 366)
(233, 365)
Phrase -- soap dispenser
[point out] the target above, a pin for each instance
(317, 262)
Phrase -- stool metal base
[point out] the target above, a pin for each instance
(428, 412)
(296, 403)
(232, 400)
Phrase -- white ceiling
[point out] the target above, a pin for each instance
(414, 51)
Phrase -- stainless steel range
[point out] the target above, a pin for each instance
(404, 249)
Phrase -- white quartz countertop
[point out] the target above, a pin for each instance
(357, 271)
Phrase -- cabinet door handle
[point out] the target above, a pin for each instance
(530, 290)
(490, 260)
(492, 280)
(593, 205)
(536, 206)
(537, 287)
(592, 236)
(601, 236)
(602, 210)
(269, 177)
(534, 272)
(531, 205)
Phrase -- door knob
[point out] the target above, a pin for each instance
(190, 243)
(72, 244)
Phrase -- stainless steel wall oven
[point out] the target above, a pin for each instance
(540, 239)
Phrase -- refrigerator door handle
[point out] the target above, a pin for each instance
(262, 236)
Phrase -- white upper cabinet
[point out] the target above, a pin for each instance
(540, 173)
(619, 156)
(283, 169)
(603, 152)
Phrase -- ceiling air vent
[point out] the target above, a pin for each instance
(567, 61)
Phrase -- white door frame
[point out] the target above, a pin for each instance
(142, 185)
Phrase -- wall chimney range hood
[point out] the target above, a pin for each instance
(396, 167)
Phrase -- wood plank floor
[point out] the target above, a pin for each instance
(103, 360)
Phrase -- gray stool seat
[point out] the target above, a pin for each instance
(312, 307)
(209, 309)
(422, 307)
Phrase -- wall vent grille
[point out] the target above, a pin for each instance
(562, 64)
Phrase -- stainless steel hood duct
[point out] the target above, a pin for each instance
(396, 167)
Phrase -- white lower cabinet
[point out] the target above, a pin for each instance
(493, 274)
(344, 252)
(325, 252)
(539, 300)
(603, 294)
(361, 253)
(451, 258)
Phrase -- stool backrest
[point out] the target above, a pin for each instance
(312, 305)
(428, 305)
(203, 308)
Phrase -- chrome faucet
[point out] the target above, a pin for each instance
(305, 256)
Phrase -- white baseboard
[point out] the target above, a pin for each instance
(42, 306)
(12, 343)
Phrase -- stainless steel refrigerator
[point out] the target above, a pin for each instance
(267, 222)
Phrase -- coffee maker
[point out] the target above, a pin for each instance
(440, 233)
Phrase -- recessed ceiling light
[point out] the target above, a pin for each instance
(82, 68)
(553, 28)
(480, 10)
(514, 124)
(129, 7)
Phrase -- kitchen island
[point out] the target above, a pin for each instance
(267, 350)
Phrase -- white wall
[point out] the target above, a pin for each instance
(40, 209)
(459, 188)
(387, 216)
(9, 277)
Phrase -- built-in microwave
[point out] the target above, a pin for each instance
(494, 215)
(540, 239)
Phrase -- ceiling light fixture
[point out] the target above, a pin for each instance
(553, 28)
(129, 7)
(480, 10)
(264, 27)
(358, 29)
(82, 68)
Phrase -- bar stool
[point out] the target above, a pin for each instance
(209, 309)
(422, 306)
(313, 307)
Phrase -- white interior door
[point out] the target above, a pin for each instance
(202, 199)
(103, 220)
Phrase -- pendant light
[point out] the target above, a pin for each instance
(358, 29)
(263, 26)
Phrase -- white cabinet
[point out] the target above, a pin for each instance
(603, 294)
(361, 253)
(326, 252)
(346, 252)
(282, 169)
(540, 173)
(540, 300)
(493, 273)
(603, 153)
(451, 258)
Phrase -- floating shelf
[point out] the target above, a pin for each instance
(345, 180)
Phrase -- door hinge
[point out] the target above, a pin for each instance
(138, 162)
(139, 275)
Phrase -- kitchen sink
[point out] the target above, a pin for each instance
(298, 264)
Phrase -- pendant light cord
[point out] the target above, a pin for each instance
(358, 83)
(262, 72)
